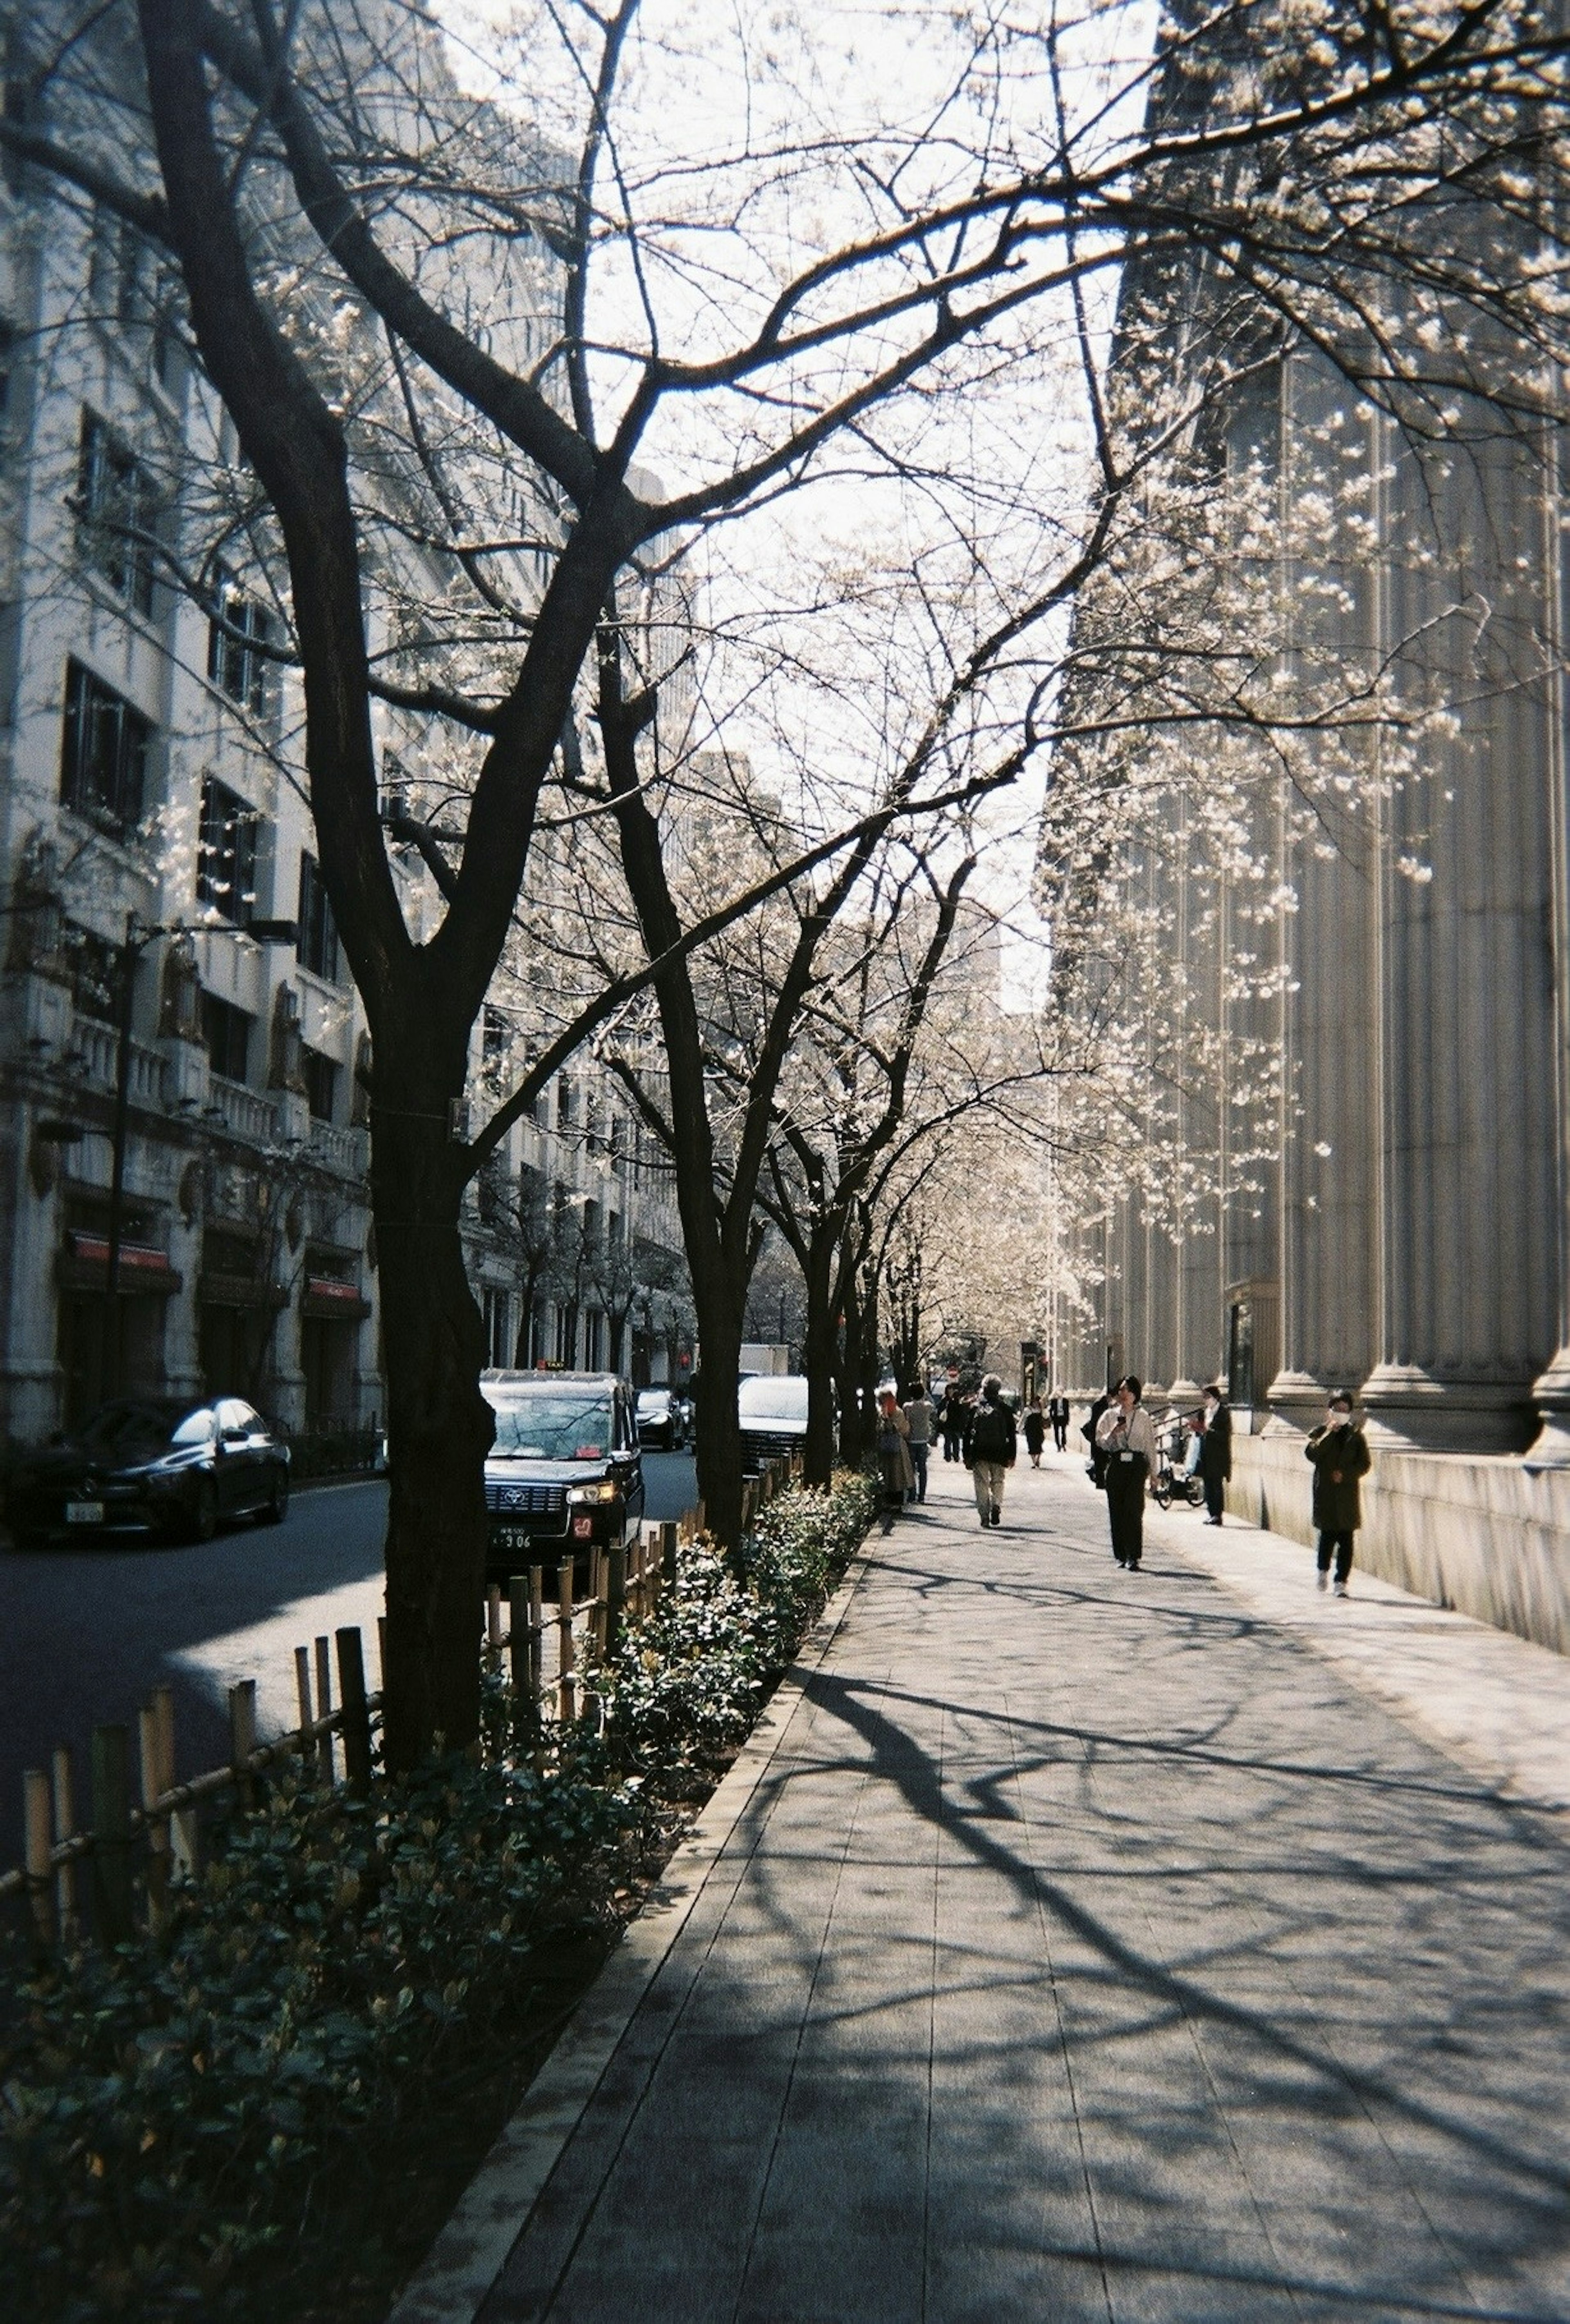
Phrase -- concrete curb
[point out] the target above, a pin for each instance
(471, 2251)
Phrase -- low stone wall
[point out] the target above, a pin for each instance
(1470, 1530)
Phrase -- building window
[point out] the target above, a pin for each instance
(498, 1311)
(316, 947)
(226, 854)
(103, 750)
(226, 1031)
(95, 972)
(117, 514)
(237, 638)
(563, 1104)
(321, 1084)
(493, 1043)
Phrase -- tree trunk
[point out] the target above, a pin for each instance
(852, 1422)
(818, 1358)
(439, 1428)
(718, 1455)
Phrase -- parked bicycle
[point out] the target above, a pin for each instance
(1172, 1479)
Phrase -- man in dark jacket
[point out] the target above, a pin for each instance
(952, 1419)
(1057, 1414)
(1340, 1456)
(1216, 1454)
(990, 1446)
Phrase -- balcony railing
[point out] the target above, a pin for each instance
(247, 1113)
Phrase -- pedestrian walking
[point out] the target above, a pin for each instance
(1216, 1453)
(1033, 1428)
(893, 1456)
(1057, 1414)
(1090, 1432)
(920, 1422)
(1126, 1437)
(1339, 1451)
(989, 1447)
(952, 1414)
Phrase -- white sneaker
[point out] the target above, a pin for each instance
(1341, 1591)
(1322, 1580)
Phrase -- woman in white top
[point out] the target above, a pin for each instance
(1125, 1435)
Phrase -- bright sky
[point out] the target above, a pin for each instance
(749, 138)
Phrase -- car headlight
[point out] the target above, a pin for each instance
(606, 1489)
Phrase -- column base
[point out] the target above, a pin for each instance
(1550, 1448)
(1187, 1393)
(1418, 1411)
(1295, 1403)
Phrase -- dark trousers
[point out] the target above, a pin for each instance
(1125, 1506)
(951, 1437)
(1060, 1435)
(917, 1491)
(1341, 1546)
(1214, 1497)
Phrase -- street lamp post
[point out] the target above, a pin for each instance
(138, 935)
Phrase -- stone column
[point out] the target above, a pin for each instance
(1551, 1392)
(1327, 848)
(1468, 1243)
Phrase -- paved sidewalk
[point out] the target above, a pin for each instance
(1095, 1945)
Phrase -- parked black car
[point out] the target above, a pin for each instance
(152, 1466)
(564, 1473)
(661, 1419)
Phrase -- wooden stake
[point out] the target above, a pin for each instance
(242, 1738)
(303, 1698)
(64, 1786)
(519, 1655)
(615, 1595)
(37, 1843)
(156, 1826)
(357, 1727)
(537, 1638)
(669, 1555)
(324, 1703)
(111, 1859)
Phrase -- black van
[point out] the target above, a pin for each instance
(564, 1473)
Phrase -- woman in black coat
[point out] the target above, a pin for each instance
(1340, 1456)
(1216, 1454)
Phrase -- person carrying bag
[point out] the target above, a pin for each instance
(1126, 1438)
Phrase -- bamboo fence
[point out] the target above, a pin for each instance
(103, 1878)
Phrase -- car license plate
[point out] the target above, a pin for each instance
(510, 1537)
(84, 1513)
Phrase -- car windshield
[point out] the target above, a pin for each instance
(134, 1427)
(778, 1398)
(653, 1399)
(552, 1425)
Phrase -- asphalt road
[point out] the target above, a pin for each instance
(86, 1633)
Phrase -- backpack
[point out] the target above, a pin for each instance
(991, 1433)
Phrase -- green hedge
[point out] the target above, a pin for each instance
(216, 2124)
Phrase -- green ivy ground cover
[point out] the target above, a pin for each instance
(265, 2114)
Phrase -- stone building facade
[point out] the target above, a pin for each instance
(152, 824)
(1384, 1206)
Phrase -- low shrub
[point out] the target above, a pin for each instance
(252, 2116)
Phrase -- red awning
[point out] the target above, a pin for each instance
(84, 1266)
(326, 1298)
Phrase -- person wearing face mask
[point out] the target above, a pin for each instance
(1340, 1454)
(1125, 1435)
(1216, 1453)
